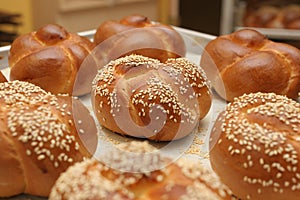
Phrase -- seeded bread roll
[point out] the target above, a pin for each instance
(51, 58)
(255, 147)
(139, 35)
(41, 135)
(247, 62)
(183, 179)
(142, 97)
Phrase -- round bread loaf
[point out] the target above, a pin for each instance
(142, 97)
(51, 58)
(41, 135)
(247, 62)
(140, 35)
(184, 179)
(255, 147)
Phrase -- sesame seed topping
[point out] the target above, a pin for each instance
(147, 83)
(267, 126)
(34, 119)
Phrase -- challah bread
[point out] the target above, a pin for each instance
(51, 58)
(140, 35)
(255, 147)
(272, 16)
(183, 179)
(246, 62)
(41, 135)
(143, 97)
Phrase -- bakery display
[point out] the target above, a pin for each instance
(145, 98)
(41, 135)
(245, 61)
(282, 15)
(137, 34)
(183, 179)
(51, 58)
(255, 147)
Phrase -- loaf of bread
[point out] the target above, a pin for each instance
(51, 58)
(183, 179)
(272, 16)
(143, 97)
(137, 34)
(245, 61)
(255, 147)
(41, 135)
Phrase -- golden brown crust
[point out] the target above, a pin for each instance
(50, 58)
(255, 147)
(143, 37)
(183, 179)
(39, 138)
(142, 97)
(2, 78)
(246, 62)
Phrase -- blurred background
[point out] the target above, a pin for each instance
(214, 17)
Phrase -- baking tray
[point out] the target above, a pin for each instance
(194, 145)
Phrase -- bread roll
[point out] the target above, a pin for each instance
(137, 34)
(247, 62)
(41, 135)
(183, 179)
(273, 16)
(255, 147)
(142, 97)
(51, 58)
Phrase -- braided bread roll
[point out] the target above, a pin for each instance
(247, 62)
(41, 135)
(139, 35)
(268, 16)
(145, 98)
(183, 179)
(255, 147)
(51, 58)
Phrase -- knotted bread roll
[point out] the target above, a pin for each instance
(51, 58)
(41, 135)
(273, 16)
(255, 147)
(183, 179)
(247, 62)
(137, 34)
(143, 97)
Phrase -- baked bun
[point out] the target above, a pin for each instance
(247, 62)
(51, 58)
(184, 179)
(137, 34)
(40, 137)
(143, 97)
(255, 147)
(272, 16)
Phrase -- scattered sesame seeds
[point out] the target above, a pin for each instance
(82, 180)
(33, 118)
(166, 84)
